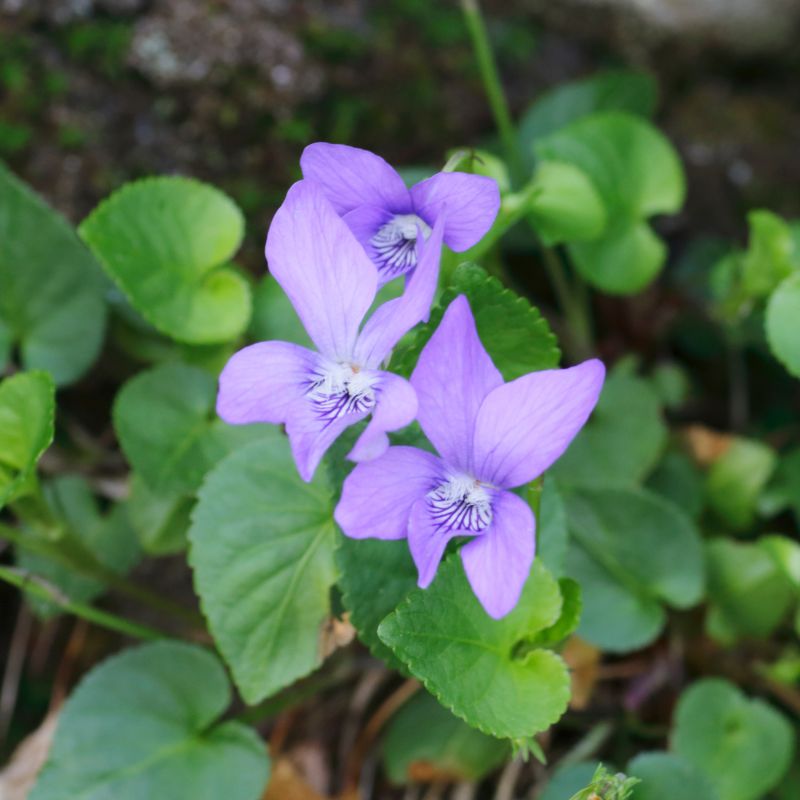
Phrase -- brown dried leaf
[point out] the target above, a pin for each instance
(18, 776)
(335, 633)
(287, 784)
(583, 660)
(704, 444)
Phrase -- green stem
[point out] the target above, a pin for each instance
(491, 81)
(33, 584)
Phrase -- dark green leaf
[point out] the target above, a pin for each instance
(666, 776)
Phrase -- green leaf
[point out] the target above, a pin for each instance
(167, 242)
(551, 528)
(744, 746)
(165, 421)
(783, 490)
(637, 174)
(27, 408)
(567, 207)
(631, 551)
(160, 520)
(108, 537)
(375, 576)
(51, 303)
(737, 478)
(665, 776)
(680, 481)
(514, 333)
(748, 592)
(261, 546)
(770, 254)
(145, 723)
(274, 317)
(622, 441)
(568, 780)
(783, 324)
(612, 90)
(425, 742)
(478, 667)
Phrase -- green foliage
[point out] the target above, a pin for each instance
(771, 254)
(265, 584)
(425, 741)
(274, 316)
(27, 409)
(743, 745)
(551, 527)
(678, 479)
(166, 242)
(783, 490)
(783, 324)
(147, 721)
(569, 780)
(160, 520)
(607, 786)
(485, 671)
(625, 545)
(51, 303)
(666, 776)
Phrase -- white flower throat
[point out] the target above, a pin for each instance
(395, 243)
(340, 389)
(462, 502)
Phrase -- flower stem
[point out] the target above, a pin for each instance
(491, 81)
(40, 588)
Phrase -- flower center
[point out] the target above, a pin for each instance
(395, 244)
(461, 502)
(339, 389)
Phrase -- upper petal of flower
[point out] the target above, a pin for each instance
(522, 427)
(471, 202)
(354, 177)
(453, 376)
(377, 496)
(395, 407)
(322, 268)
(498, 561)
(396, 317)
(262, 382)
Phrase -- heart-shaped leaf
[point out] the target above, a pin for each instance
(27, 406)
(783, 323)
(261, 546)
(51, 302)
(744, 746)
(166, 243)
(145, 724)
(484, 670)
(666, 776)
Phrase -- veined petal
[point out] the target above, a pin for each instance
(453, 376)
(364, 222)
(377, 496)
(263, 381)
(354, 177)
(522, 427)
(470, 201)
(322, 268)
(427, 541)
(394, 319)
(498, 561)
(395, 407)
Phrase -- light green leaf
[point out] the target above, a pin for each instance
(161, 520)
(165, 422)
(783, 324)
(51, 302)
(622, 442)
(27, 408)
(743, 745)
(748, 592)
(737, 478)
(425, 742)
(514, 333)
(261, 546)
(167, 242)
(274, 317)
(666, 776)
(631, 551)
(567, 207)
(483, 669)
(145, 724)
(783, 490)
(568, 780)
(375, 576)
(770, 254)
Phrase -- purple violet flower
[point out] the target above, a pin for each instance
(392, 221)
(491, 437)
(331, 283)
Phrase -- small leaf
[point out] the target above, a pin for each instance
(468, 660)
(27, 407)
(783, 324)
(161, 520)
(743, 745)
(274, 317)
(51, 303)
(425, 742)
(566, 781)
(166, 242)
(551, 528)
(630, 551)
(770, 254)
(783, 490)
(145, 724)
(665, 776)
(164, 418)
(261, 547)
